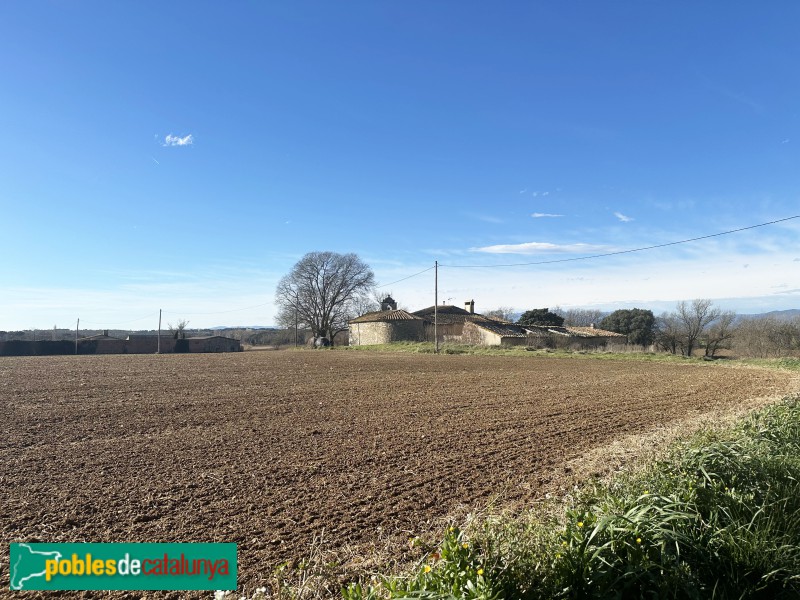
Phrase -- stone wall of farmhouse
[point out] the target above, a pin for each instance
(477, 336)
(385, 332)
(447, 332)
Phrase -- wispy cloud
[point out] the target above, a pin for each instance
(623, 218)
(737, 96)
(544, 215)
(540, 248)
(484, 218)
(174, 140)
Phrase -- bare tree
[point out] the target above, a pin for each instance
(693, 319)
(767, 337)
(323, 291)
(720, 333)
(582, 317)
(503, 313)
(178, 331)
(668, 333)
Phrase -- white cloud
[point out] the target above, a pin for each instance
(623, 218)
(174, 140)
(540, 247)
(483, 217)
(544, 215)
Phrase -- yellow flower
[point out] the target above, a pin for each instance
(480, 571)
(564, 543)
(465, 545)
(638, 540)
(427, 568)
(580, 524)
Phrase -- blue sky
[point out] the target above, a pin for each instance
(185, 155)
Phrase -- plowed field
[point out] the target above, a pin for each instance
(268, 449)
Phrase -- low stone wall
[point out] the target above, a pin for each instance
(39, 348)
(140, 344)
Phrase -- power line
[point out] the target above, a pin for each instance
(562, 260)
(405, 278)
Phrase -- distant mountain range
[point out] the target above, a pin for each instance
(220, 327)
(784, 315)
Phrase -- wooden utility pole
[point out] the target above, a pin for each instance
(436, 308)
(295, 326)
(158, 351)
(77, 327)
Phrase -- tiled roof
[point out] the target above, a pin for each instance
(589, 332)
(443, 309)
(545, 329)
(447, 314)
(386, 315)
(500, 328)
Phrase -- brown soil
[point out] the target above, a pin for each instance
(270, 449)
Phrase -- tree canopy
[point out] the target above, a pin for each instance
(540, 316)
(323, 291)
(636, 323)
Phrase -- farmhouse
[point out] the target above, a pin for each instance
(464, 326)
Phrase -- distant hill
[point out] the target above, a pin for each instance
(783, 315)
(219, 327)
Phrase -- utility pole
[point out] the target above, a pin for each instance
(295, 326)
(436, 308)
(158, 351)
(77, 327)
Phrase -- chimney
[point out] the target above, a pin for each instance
(470, 306)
